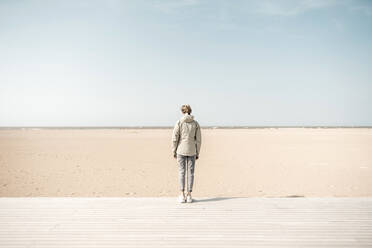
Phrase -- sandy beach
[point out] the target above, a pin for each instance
(268, 162)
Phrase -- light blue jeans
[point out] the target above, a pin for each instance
(186, 163)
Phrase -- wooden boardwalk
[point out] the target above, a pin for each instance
(207, 222)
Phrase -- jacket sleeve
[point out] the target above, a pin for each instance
(175, 138)
(198, 139)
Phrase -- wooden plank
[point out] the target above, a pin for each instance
(163, 222)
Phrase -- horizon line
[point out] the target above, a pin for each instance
(169, 127)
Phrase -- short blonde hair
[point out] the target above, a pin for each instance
(186, 109)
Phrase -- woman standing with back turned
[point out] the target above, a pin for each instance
(186, 141)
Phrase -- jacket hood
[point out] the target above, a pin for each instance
(187, 118)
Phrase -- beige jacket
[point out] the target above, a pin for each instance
(186, 138)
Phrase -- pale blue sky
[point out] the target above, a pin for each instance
(127, 63)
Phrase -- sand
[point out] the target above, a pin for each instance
(270, 162)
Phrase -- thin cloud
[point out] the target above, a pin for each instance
(297, 7)
(173, 6)
(338, 25)
(367, 10)
(292, 8)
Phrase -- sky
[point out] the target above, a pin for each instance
(134, 63)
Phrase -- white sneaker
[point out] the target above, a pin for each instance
(189, 198)
(181, 198)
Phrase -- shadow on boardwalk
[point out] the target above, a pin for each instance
(214, 199)
(229, 198)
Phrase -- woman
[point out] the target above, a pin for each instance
(186, 141)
